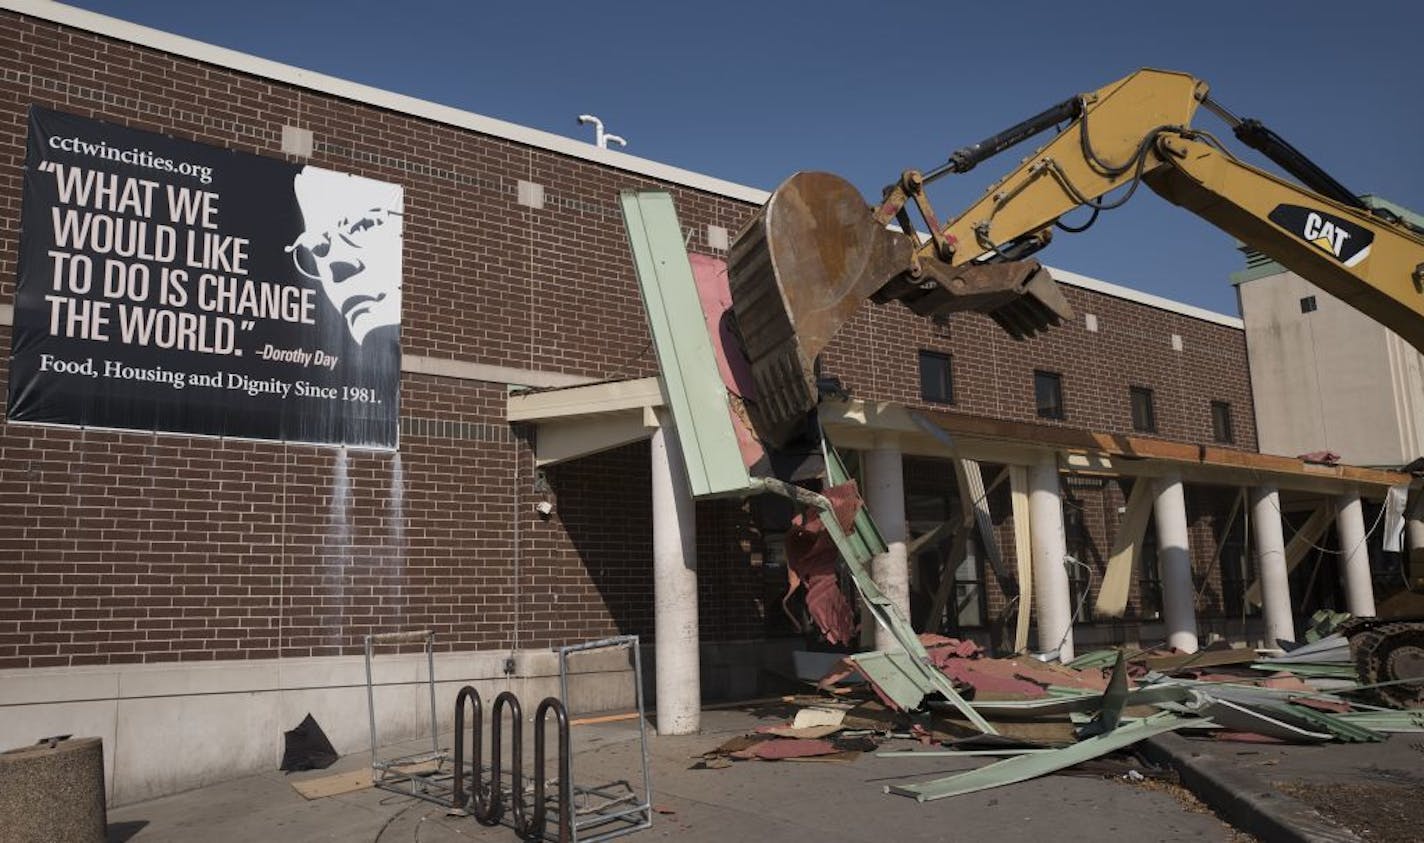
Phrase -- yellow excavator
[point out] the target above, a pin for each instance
(816, 250)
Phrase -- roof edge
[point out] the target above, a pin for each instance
(276, 71)
(1161, 303)
(425, 109)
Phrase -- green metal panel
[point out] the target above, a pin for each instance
(1386, 721)
(695, 393)
(1078, 702)
(894, 675)
(1245, 718)
(866, 537)
(857, 548)
(1320, 721)
(957, 753)
(1025, 767)
(854, 549)
(1310, 669)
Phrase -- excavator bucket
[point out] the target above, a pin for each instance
(801, 268)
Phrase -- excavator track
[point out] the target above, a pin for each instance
(1389, 653)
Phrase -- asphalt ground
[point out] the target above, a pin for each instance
(1326, 792)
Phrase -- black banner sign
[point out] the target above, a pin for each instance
(173, 286)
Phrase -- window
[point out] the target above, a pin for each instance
(968, 606)
(936, 378)
(1307, 304)
(1237, 570)
(1080, 493)
(1048, 394)
(1144, 416)
(931, 512)
(1221, 422)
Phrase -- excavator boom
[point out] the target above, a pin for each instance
(803, 265)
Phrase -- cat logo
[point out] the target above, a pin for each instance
(1325, 234)
(1339, 238)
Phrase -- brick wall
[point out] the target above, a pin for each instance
(129, 547)
(993, 373)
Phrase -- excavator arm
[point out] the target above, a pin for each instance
(803, 265)
(1138, 130)
(1371, 264)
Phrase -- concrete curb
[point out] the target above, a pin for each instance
(1242, 799)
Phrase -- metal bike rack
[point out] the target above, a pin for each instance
(486, 800)
(576, 814)
(615, 809)
(410, 775)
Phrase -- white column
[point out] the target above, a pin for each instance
(1354, 556)
(1051, 598)
(1270, 547)
(1169, 513)
(1413, 557)
(1413, 545)
(678, 682)
(885, 497)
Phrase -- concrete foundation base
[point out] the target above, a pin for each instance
(173, 727)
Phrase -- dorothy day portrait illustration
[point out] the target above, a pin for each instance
(351, 245)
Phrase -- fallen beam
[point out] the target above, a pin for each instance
(1025, 767)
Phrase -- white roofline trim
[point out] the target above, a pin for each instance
(278, 72)
(424, 109)
(1121, 292)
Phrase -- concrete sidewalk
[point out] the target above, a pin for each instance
(751, 800)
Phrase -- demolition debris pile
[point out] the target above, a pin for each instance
(1045, 718)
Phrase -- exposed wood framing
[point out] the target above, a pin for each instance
(1236, 504)
(1117, 580)
(969, 514)
(1023, 552)
(946, 578)
(974, 501)
(1300, 543)
(855, 423)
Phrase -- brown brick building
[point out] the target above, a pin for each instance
(151, 578)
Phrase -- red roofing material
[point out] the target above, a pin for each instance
(811, 561)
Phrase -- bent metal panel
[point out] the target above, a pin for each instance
(173, 286)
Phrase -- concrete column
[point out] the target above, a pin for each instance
(678, 682)
(1414, 547)
(1052, 601)
(1179, 613)
(1413, 560)
(885, 497)
(1270, 547)
(1354, 556)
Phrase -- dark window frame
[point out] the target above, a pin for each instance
(1149, 574)
(1078, 541)
(1223, 427)
(1056, 410)
(1237, 570)
(1146, 420)
(928, 506)
(946, 382)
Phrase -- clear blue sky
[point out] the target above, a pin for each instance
(753, 91)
